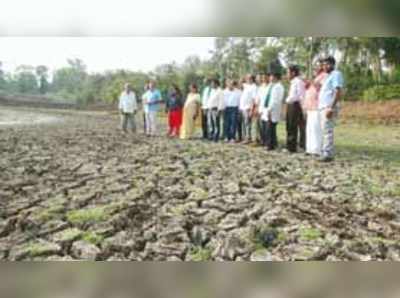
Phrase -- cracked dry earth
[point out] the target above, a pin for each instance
(80, 190)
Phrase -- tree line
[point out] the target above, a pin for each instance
(371, 66)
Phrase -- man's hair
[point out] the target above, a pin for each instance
(235, 83)
(216, 82)
(294, 69)
(194, 86)
(330, 60)
(277, 75)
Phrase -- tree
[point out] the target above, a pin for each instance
(42, 76)
(70, 80)
(2, 77)
(26, 80)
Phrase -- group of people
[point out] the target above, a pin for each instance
(249, 110)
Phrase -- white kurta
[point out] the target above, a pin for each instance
(314, 133)
(275, 103)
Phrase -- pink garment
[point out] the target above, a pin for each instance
(312, 93)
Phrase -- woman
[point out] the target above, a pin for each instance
(190, 112)
(174, 110)
(313, 128)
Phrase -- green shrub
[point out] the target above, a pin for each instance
(382, 92)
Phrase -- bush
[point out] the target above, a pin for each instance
(382, 92)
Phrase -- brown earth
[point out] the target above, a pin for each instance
(79, 189)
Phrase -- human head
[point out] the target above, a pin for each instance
(275, 77)
(152, 84)
(229, 84)
(250, 79)
(318, 67)
(293, 71)
(259, 78)
(265, 78)
(329, 64)
(175, 89)
(215, 83)
(127, 87)
(193, 88)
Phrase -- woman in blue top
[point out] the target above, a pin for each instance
(174, 106)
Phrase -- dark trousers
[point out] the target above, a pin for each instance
(230, 122)
(214, 120)
(295, 127)
(269, 135)
(204, 123)
(239, 126)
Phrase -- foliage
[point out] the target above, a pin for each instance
(382, 92)
(366, 62)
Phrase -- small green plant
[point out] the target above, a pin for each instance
(93, 238)
(71, 234)
(199, 254)
(310, 234)
(85, 216)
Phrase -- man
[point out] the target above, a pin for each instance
(151, 100)
(259, 107)
(215, 110)
(204, 108)
(127, 108)
(329, 98)
(247, 101)
(271, 111)
(294, 116)
(232, 100)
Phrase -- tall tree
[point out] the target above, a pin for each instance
(42, 75)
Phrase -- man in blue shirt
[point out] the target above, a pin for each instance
(329, 97)
(151, 101)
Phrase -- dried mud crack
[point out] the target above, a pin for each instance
(81, 190)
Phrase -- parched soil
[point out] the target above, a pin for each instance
(80, 189)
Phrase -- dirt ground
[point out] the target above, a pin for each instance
(73, 187)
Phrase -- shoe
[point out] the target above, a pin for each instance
(326, 159)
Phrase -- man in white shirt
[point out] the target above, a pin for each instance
(215, 110)
(295, 122)
(329, 98)
(204, 108)
(127, 108)
(271, 111)
(232, 100)
(259, 105)
(247, 102)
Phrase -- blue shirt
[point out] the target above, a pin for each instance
(329, 88)
(152, 96)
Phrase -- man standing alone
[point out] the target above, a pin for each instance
(329, 98)
(127, 108)
(294, 117)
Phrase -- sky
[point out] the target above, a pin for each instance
(101, 53)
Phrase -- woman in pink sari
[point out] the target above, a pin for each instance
(314, 130)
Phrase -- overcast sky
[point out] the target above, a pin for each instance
(101, 53)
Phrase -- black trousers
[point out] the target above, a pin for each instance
(204, 123)
(239, 126)
(295, 127)
(269, 135)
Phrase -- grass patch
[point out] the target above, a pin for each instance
(71, 234)
(93, 238)
(86, 216)
(40, 249)
(199, 254)
(310, 234)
